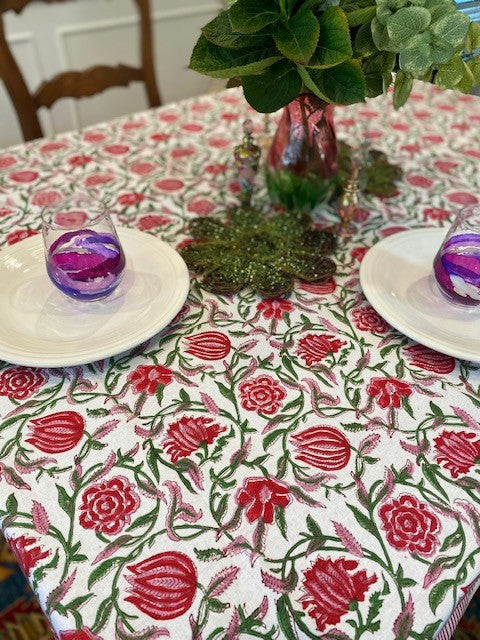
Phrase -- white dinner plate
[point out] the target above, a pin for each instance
(397, 278)
(41, 327)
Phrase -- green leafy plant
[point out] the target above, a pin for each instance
(343, 54)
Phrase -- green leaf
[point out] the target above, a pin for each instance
(343, 84)
(473, 37)
(364, 44)
(218, 62)
(12, 505)
(64, 500)
(334, 45)
(285, 620)
(220, 32)
(216, 605)
(402, 89)
(249, 16)
(363, 520)
(442, 52)
(417, 57)
(281, 521)
(274, 88)
(361, 16)
(102, 569)
(380, 36)
(309, 83)
(314, 528)
(438, 593)
(452, 28)
(271, 437)
(298, 38)
(450, 74)
(407, 23)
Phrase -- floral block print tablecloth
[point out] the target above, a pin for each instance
(276, 469)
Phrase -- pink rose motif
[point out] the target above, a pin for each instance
(23, 177)
(313, 348)
(331, 586)
(274, 308)
(410, 525)
(201, 207)
(146, 223)
(187, 434)
(79, 160)
(46, 198)
(367, 319)
(6, 162)
(21, 382)
(27, 552)
(260, 496)
(169, 184)
(457, 451)
(262, 394)
(389, 391)
(20, 234)
(163, 586)
(148, 378)
(142, 168)
(130, 199)
(108, 505)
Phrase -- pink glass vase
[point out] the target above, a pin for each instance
(303, 157)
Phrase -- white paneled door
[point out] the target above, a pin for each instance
(47, 39)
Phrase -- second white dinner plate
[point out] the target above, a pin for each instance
(41, 327)
(396, 276)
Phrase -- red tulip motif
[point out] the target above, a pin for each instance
(163, 586)
(325, 448)
(57, 432)
(209, 345)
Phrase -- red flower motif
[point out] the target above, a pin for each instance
(229, 116)
(57, 432)
(131, 126)
(149, 377)
(160, 137)
(436, 213)
(389, 391)
(411, 148)
(359, 253)
(191, 127)
(142, 168)
(319, 288)
(180, 152)
(21, 382)
(168, 117)
(5, 211)
(219, 143)
(130, 199)
(27, 554)
(458, 450)
(430, 360)
(71, 218)
(74, 634)
(325, 448)
(108, 505)
(330, 587)
(20, 234)
(163, 586)
(209, 345)
(116, 149)
(48, 147)
(367, 319)
(94, 136)
(260, 496)
(216, 169)
(433, 139)
(46, 198)
(146, 223)
(445, 166)
(462, 197)
(275, 308)
(201, 207)
(313, 348)
(410, 525)
(185, 436)
(390, 231)
(7, 161)
(79, 160)
(23, 176)
(234, 187)
(169, 184)
(97, 179)
(262, 394)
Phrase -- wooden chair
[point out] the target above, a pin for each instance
(73, 84)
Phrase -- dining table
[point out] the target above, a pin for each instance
(287, 469)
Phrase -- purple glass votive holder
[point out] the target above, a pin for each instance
(84, 257)
(457, 264)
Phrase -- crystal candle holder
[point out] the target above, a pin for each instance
(457, 264)
(84, 257)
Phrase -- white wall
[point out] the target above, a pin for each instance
(47, 39)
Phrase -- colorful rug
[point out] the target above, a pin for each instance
(22, 619)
